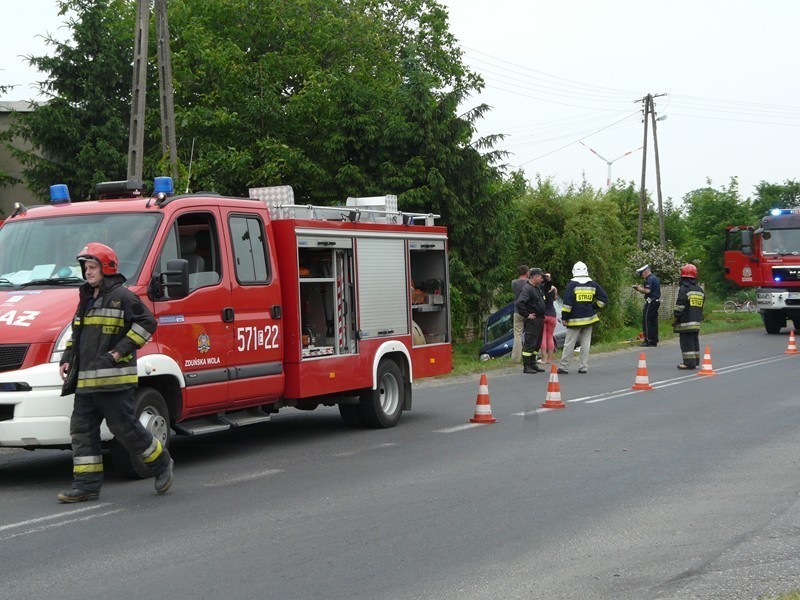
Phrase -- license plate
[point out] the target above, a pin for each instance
(794, 296)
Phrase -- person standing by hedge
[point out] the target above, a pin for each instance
(581, 300)
(519, 322)
(652, 301)
(531, 306)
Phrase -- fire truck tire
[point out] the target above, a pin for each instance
(152, 412)
(381, 408)
(774, 321)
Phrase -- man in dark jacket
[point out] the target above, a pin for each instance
(531, 306)
(687, 316)
(99, 367)
(652, 300)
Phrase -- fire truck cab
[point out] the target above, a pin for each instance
(261, 304)
(767, 257)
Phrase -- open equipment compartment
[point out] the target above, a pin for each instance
(429, 294)
(325, 267)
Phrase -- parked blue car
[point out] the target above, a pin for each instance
(498, 333)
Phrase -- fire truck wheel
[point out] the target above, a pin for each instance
(382, 407)
(154, 416)
(774, 321)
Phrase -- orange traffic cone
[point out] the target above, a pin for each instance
(642, 381)
(707, 369)
(483, 410)
(553, 398)
(792, 349)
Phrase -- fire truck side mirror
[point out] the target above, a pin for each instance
(747, 242)
(174, 282)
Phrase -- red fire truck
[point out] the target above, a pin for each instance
(261, 304)
(768, 257)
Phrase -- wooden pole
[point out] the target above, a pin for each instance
(642, 192)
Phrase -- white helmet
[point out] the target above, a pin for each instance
(580, 269)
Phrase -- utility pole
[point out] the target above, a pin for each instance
(139, 90)
(661, 233)
(649, 110)
(642, 193)
(168, 142)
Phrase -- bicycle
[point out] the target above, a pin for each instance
(739, 305)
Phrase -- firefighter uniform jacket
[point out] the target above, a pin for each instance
(580, 302)
(688, 307)
(116, 320)
(531, 300)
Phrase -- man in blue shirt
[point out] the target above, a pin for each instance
(652, 300)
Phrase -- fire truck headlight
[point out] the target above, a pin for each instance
(61, 343)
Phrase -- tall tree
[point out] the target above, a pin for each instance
(708, 211)
(773, 195)
(334, 98)
(555, 229)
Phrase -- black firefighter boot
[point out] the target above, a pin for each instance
(529, 364)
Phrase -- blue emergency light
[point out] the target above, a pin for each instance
(59, 194)
(163, 185)
(775, 212)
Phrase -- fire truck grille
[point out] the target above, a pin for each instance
(11, 357)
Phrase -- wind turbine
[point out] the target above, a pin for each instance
(609, 162)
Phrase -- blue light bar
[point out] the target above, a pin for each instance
(59, 194)
(775, 212)
(163, 185)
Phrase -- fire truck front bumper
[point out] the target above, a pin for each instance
(33, 414)
(777, 299)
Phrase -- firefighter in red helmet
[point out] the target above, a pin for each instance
(687, 316)
(99, 367)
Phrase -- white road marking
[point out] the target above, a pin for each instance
(243, 478)
(458, 428)
(66, 513)
(679, 380)
(359, 450)
(42, 528)
(602, 397)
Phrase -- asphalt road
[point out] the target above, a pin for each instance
(686, 491)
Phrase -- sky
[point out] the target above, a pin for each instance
(564, 75)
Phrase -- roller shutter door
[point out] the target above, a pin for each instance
(382, 287)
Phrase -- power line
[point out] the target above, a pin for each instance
(576, 141)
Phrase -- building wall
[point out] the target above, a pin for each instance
(8, 164)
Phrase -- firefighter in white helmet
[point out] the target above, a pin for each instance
(581, 300)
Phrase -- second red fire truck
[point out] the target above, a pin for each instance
(767, 257)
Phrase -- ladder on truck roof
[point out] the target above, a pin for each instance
(374, 209)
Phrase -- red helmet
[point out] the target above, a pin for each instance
(102, 254)
(689, 270)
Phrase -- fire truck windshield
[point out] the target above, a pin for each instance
(781, 241)
(42, 251)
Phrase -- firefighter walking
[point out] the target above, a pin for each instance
(99, 367)
(687, 316)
